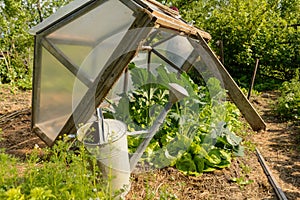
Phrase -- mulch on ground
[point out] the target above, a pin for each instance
(278, 144)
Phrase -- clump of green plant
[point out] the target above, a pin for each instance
(253, 92)
(288, 105)
(243, 179)
(1, 132)
(196, 135)
(8, 173)
(64, 174)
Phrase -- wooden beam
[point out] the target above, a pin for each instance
(171, 19)
(237, 96)
(253, 79)
(169, 22)
(36, 81)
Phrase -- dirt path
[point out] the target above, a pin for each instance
(15, 117)
(280, 146)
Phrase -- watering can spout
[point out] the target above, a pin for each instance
(177, 92)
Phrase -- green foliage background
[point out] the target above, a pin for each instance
(288, 105)
(16, 18)
(249, 29)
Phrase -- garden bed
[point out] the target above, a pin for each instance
(244, 179)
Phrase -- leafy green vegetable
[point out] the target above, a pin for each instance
(213, 157)
(186, 163)
(199, 162)
(194, 136)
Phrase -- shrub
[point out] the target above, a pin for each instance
(288, 105)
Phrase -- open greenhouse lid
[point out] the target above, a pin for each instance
(60, 13)
(83, 51)
(166, 16)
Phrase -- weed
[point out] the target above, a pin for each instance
(66, 175)
(254, 92)
(165, 193)
(250, 146)
(14, 193)
(242, 181)
(245, 168)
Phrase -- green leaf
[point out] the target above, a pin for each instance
(207, 168)
(225, 155)
(224, 164)
(213, 157)
(186, 163)
(197, 149)
(233, 139)
(239, 151)
(199, 162)
(141, 77)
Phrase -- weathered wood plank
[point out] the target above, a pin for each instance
(237, 96)
(171, 19)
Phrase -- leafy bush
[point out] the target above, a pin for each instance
(288, 105)
(16, 44)
(250, 29)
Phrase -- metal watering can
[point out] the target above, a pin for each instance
(106, 138)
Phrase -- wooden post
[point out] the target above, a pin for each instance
(253, 78)
(220, 44)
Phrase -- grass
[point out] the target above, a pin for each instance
(60, 174)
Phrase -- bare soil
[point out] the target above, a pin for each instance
(279, 145)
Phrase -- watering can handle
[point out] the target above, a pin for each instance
(141, 148)
(138, 132)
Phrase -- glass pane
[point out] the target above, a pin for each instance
(99, 55)
(96, 25)
(141, 60)
(176, 49)
(90, 40)
(76, 53)
(55, 103)
(206, 65)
